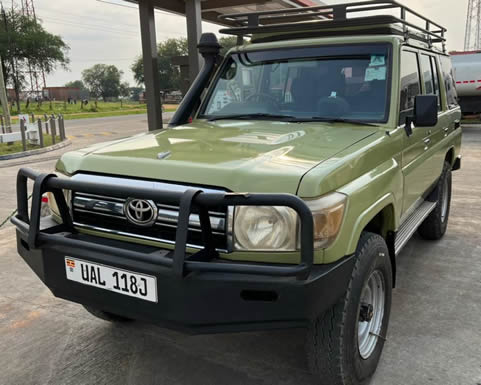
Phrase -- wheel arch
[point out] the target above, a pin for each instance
(380, 219)
(450, 156)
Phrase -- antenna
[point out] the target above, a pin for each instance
(472, 40)
(28, 8)
(36, 73)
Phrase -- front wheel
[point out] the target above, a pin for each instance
(344, 344)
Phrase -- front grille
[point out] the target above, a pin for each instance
(106, 214)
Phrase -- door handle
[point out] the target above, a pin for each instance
(427, 142)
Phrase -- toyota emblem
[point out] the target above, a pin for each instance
(140, 212)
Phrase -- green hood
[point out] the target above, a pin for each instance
(241, 156)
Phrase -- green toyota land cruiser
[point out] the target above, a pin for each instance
(289, 180)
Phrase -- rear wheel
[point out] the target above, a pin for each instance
(106, 316)
(345, 343)
(435, 225)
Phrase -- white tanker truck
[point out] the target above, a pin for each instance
(467, 72)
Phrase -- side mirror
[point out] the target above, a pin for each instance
(426, 110)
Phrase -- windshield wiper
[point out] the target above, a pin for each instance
(337, 120)
(252, 116)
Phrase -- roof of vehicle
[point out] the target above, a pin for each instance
(314, 41)
(336, 20)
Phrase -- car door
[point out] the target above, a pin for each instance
(417, 168)
(450, 117)
(436, 134)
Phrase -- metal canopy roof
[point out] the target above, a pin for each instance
(195, 12)
(212, 9)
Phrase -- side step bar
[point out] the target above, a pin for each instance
(411, 224)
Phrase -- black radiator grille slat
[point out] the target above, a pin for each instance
(102, 212)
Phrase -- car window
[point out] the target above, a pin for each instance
(410, 84)
(427, 75)
(278, 81)
(431, 84)
(348, 82)
(434, 66)
(449, 83)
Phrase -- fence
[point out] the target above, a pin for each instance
(35, 133)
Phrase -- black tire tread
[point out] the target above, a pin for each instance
(324, 338)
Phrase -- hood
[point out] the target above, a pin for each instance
(259, 156)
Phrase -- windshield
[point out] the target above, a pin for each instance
(330, 82)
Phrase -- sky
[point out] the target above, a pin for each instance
(107, 31)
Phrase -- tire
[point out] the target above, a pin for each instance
(334, 352)
(106, 316)
(435, 225)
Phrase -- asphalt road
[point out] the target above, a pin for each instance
(434, 335)
(82, 133)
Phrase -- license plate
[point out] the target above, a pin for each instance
(111, 278)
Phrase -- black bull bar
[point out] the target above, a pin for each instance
(180, 262)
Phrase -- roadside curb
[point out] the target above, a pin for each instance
(38, 151)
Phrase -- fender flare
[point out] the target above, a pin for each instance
(367, 215)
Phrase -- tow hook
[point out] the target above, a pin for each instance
(366, 313)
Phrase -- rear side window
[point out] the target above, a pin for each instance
(410, 84)
(430, 77)
(427, 75)
(436, 80)
(449, 83)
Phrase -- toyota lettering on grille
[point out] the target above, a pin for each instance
(140, 212)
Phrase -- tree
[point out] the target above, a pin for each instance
(25, 44)
(125, 90)
(227, 42)
(76, 84)
(168, 73)
(103, 81)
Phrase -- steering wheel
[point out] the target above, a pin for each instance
(260, 97)
(333, 106)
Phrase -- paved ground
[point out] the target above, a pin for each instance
(82, 133)
(434, 335)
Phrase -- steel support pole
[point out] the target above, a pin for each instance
(61, 127)
(40, 132)
(53, 129)
(22, 133)
(151, 72)
(193, 14)
(4, 100)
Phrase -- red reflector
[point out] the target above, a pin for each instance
(44, 199)
(190, 119)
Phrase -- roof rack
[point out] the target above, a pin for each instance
(335, 16)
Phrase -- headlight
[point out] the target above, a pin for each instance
(265, 228)
(52, 203)
(327, 213)
(271, 228)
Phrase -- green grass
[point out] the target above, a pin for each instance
(6, 149)
(90, 115)
(75, 111)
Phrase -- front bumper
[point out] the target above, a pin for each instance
(196, 293)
